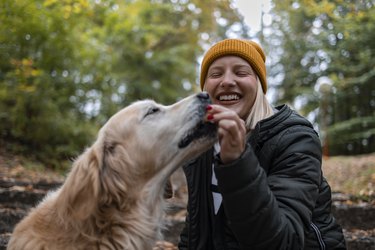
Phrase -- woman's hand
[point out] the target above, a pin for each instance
(231, 131)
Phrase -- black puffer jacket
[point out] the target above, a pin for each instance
(274, 196)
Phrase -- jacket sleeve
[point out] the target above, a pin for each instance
(270, 210)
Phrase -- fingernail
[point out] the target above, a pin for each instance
(208, 107)
(210, 117)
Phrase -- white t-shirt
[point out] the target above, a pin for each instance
(217, 198)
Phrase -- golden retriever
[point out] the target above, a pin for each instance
(113, 195)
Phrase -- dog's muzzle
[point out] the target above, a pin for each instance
(202, 128)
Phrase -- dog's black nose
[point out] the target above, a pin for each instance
(203, 95)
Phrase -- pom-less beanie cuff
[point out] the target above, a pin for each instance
(247, 50)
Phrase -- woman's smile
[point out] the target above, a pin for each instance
(228, 97)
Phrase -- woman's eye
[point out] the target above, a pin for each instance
(242, 73)
(215, 74)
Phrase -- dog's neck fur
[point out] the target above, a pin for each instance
(132, 220)
(141, 216)
(98, 208)
(142, 219)
(123, 220)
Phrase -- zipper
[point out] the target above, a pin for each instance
(318, 236)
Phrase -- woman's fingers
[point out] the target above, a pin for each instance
(232, 140)
(217, 113)
(231, 131)
(234, 129)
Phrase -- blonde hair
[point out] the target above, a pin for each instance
(260, 110)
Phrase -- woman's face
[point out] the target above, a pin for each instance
(232, 83)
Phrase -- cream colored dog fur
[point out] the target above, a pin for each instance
(113, 195)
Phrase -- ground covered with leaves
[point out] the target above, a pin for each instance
(351, 175)
(352, 179)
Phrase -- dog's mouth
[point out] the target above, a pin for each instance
(201, 130)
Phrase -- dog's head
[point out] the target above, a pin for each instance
(142, 142)
(150, 136)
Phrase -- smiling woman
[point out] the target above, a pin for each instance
(237, 62)
(261, 186)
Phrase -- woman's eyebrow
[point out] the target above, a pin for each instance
(247, 67)
(216, 66)
(242, 65)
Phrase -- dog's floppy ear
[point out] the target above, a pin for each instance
(168, 189)
(114, 182)
(80, 191)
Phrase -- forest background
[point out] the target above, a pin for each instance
(66, 66)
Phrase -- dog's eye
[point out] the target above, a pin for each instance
(152, 110)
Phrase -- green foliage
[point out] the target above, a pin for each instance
(67, 65)
(331, 39)
(353, 136)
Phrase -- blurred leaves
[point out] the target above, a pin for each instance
(330, 42)
(67, 65)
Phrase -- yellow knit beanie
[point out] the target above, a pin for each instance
(248, 50)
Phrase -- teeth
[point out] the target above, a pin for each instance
(228, 97)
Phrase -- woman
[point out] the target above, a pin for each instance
(261, 186)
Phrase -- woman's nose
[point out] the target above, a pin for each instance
(228, 79)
